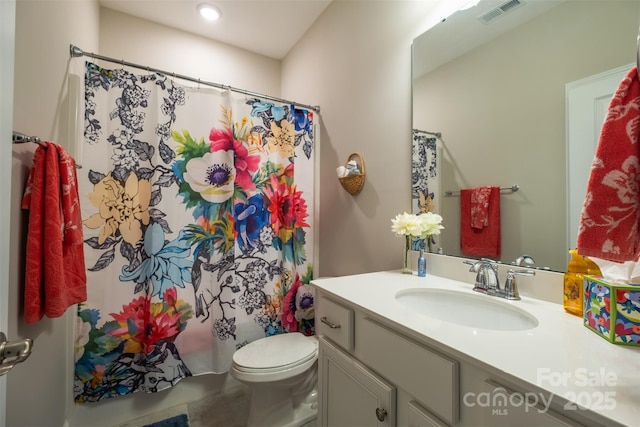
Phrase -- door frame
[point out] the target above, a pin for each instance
(7, 55)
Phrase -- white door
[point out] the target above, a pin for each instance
(587, 102)
(7, 38)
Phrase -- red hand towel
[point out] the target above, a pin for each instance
(55, 276)
(611, 211)
(480, 241)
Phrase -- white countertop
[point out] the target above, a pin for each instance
(559, 356)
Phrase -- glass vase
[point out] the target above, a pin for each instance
(405, 256)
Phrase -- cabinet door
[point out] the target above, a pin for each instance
(420, 417)
(350, 394)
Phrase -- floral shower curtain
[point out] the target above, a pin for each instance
(425, 180)
(197, 211)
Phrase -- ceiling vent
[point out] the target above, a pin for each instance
(496, 13)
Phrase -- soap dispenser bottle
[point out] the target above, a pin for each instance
(573, 283)
(592, 267)
(422, 264)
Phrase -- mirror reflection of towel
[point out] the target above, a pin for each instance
(478, 209)
(610, 214)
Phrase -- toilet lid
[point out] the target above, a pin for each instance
(276, 351)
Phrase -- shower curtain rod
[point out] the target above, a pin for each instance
(76, 52)
(436, 134)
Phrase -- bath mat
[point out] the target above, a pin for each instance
(177, 421)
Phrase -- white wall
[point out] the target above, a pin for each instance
(146, 43)
(354, 62)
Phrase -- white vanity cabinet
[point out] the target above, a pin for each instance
(350, 394)
(357, 358)
(373, 373)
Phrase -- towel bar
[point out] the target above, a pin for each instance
(513, 189)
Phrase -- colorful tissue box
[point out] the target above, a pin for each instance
(612, 311)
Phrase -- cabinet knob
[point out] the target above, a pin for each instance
(381, 414)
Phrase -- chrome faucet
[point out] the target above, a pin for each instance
(486, 276)
(487, 281)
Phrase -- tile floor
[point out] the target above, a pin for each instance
(227, 409)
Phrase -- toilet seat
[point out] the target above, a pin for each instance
(275, 357)
(275, 368)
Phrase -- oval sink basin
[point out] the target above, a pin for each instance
(475, 311)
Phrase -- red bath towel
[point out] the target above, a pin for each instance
(484, 241)
(611, 210)
(55, 276)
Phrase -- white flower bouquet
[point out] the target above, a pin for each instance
(423, 226)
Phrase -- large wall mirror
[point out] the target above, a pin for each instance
(491, 81)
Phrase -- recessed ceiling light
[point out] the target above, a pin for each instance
(469, 5)
(209, 11)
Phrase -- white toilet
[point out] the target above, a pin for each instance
(281, 371)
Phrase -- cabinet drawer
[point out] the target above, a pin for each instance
(335, 322)
(427, 376)
(509, 407)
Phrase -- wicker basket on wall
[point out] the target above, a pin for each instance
(354, 183)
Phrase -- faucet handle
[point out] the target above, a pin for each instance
(510, 285)
(475, 265)
(524, 260)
